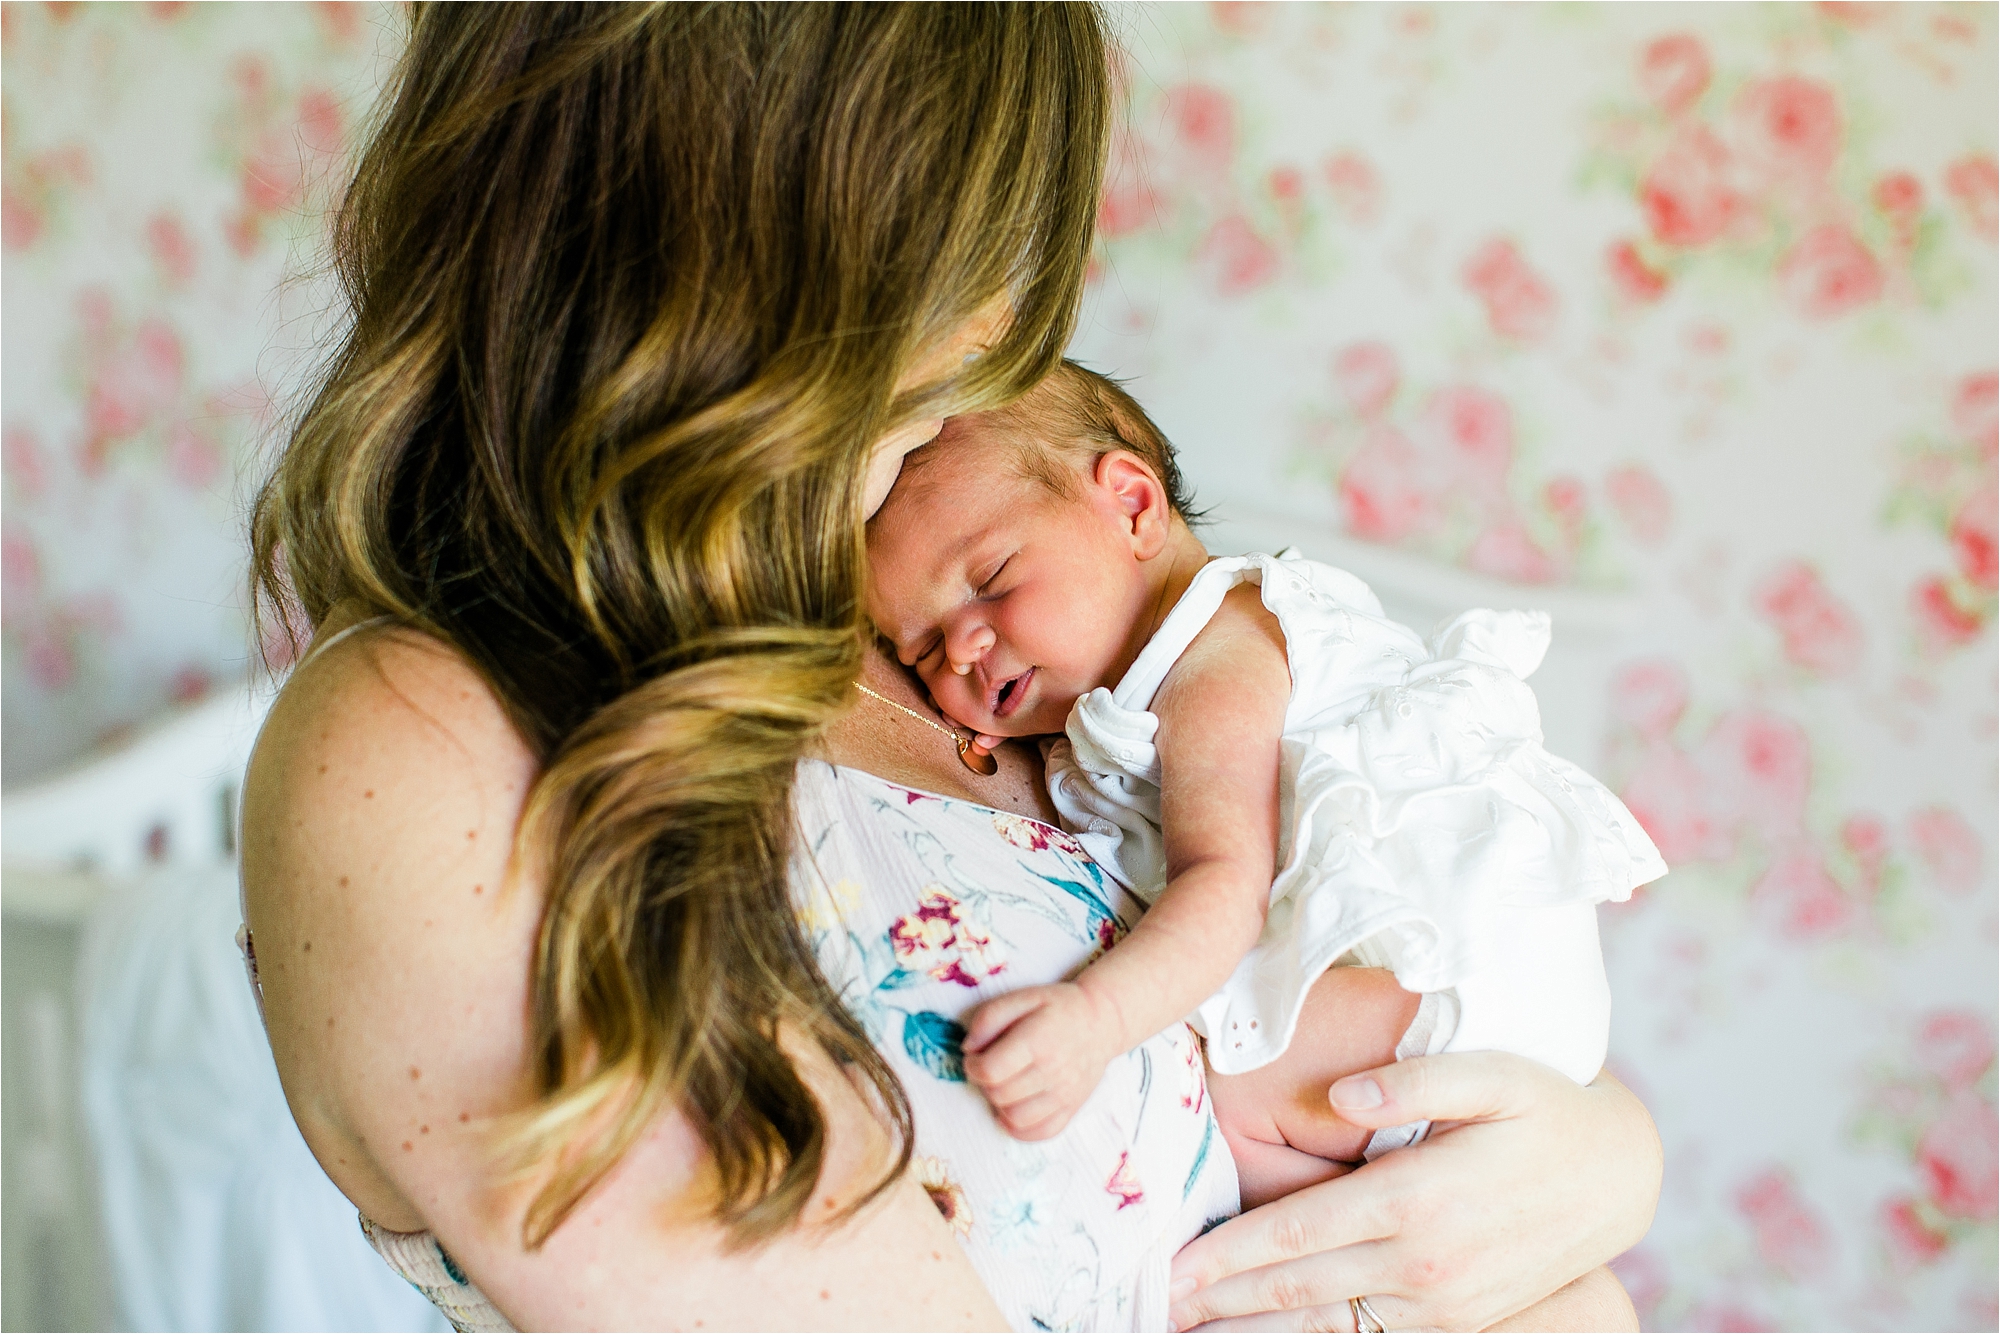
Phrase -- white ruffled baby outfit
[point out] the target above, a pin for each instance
(1422, 826)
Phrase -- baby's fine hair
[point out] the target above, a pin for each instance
(1075, 417)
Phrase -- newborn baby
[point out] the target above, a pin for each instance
(1289, 780)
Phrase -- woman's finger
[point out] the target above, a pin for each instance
(1338, 1316)
(1332, 1316)
(1467, 1086)
(1341, 1212)
(1286, 1292)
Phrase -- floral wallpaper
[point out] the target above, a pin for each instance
(1687, 309)
(1690, 309)
(157, 166)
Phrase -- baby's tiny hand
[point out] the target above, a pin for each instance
(1038, 1054)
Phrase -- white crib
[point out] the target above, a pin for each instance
(155, 1179)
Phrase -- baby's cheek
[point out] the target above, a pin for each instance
(956, 697)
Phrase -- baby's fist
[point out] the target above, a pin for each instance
(1037, 1054)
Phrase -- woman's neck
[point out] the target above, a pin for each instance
(876, 737)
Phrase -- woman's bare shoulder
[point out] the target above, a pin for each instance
(393, 945)
(396, 953)
(378, 698)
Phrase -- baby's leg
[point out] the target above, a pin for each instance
(1277, 1119)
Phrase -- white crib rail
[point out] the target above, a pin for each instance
(169, 795)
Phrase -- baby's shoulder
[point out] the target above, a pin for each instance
(1240, 651)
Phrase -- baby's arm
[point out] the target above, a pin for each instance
(1038, 1053)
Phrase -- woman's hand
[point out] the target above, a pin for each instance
(1536, 1182)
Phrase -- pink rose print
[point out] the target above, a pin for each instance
(194, 460)
(1974, 185)
(26, 468)
(1383, 495)
(1942, 624)
(21, 222)
(938, 939)
(1640, 498)
(1808, 902)
(131, 382)
(1732, 1318)
(1203, 123)
(1520, 303)
(1973, 537)
(1568, 503)
(1866, 840)
(51, 657)
(1674, 71)
(1238, 259)
(1033, 835)
(1687, 197)
(20, 570)
(1789, 1233)
(1948, 846)
(1956, 1046)
(1130, 202)
(30, 194)
(1760, 766)
(1959, 1158)
(1829, 273)
(1505, 551)
(1239, 18)
(280, 151)
(190, 685)
(1650, 697)
(1474, 431)
(1367, 375)
(1356, 187)
(1820, 633)
(1194, 1086)
(1123, 1184)
(1913, 1243)
(1632, 278)
(1899, 197)
(1975, 410)
(172, 248)
(1668, 795)
(1790, 128)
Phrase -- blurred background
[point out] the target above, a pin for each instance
(1679, 321)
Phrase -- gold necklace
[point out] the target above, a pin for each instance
(970, 755)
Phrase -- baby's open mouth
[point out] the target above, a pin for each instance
(1010, 694)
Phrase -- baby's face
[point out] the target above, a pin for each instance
(1009, 601)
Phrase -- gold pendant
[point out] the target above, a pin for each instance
(979, 761)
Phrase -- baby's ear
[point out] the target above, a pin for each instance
(1140, 497)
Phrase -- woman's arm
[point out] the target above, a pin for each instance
(395, 955)
(1539, 1182)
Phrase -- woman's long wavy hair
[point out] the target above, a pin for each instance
(633, 288)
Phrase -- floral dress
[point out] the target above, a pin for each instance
(920, 907)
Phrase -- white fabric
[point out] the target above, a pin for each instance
(216, 1215)
(919, 908)
(1422, 824)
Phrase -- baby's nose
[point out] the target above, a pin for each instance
(968, 647)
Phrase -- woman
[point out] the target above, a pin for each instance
(648, 304)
